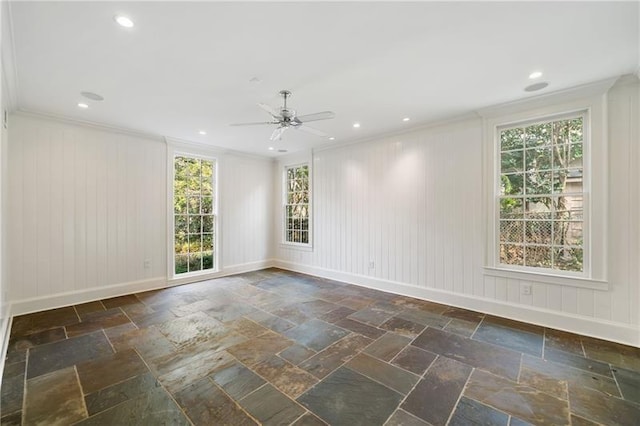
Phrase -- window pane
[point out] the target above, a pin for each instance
(207, 242)
(568, 259)
(207, 223)
(511, 231)
(538, 208)
(195, 225)
(195, 243)
(538, 232)
(181, 225)
(538, 135)
(511, 161)
(567, 233)
(181, 264)
(296, 212)
(538, 256)
(538, 159)
(181, 244)
(538, 183)
(195, 262)
(207, 205)
(207, 260)
(511, 254)
(511, 208)
(512, 184)
(511, 139)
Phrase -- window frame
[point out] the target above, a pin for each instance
(283, 212)
(586, 243)
(173, 154)
(592, 99)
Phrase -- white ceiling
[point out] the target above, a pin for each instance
(186, 67)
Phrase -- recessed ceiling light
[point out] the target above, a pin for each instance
(536, 86)
(282, 150)
(271, 148)
(124, 21)
(406, 119)
(92, 96)
(332, 138)
(83, 105)
(535, 74)
(356, 125)
(202, 132)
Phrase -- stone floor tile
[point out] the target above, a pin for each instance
(287, 378)
(292, 313)
(13, 419)
(230, 312)
(116, 302)
(271, 407)
(186, 367)
(308, 420)
(98, 320)
(402, 418)
(464, 314)
(154, 407)
(120, 392)
(562, 341)
(388, 346)
(237, 380)
(579, 362)
(414, 359)
(403, 327)
(521, 401)
(498, 360)
(347, 397)
(536, 371)
(337, 314)
(247, 327)
(192, 329)
(54, 399)
(326, 361)
(389, 375)
(295, 354)
(602, 408)
(272, 322)
(106, 371)
(470, 412)
(40, 321)
(372, 316)
(629, 383)
(87, 308)
(425, 318)
(260, 348)
(616, 354)
(462, 327)
(435, 396)
(517, 339)
(64, 353)
(579, 421)
(205, 404)
(360, 328)
(355, 302)
(12, 391)
(316, 334)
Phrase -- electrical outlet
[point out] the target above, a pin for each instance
(526, 289)
(147, 264)
(372, 265)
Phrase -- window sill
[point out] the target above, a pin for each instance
(192, 277)
(299, 247)
(547, 278)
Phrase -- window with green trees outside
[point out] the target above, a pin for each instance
(541, 195)
(296, 206)
(194, 207)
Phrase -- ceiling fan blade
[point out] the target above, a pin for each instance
(311, 130)
(257, 123)
(277, 133)
(324, 115)
(271, 111)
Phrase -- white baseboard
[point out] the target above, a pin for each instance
(602, 329)
(59, 300)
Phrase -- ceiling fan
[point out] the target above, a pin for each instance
(286, 118)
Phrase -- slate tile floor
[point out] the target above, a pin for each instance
(277, 348)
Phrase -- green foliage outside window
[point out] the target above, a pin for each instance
(541, 195)
(194, 219)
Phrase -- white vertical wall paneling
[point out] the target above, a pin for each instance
(425, 228)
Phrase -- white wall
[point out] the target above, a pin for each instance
(89, 206)
(413, 205)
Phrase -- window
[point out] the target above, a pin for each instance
(296, 207)
(541, 189)
(194, 213)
